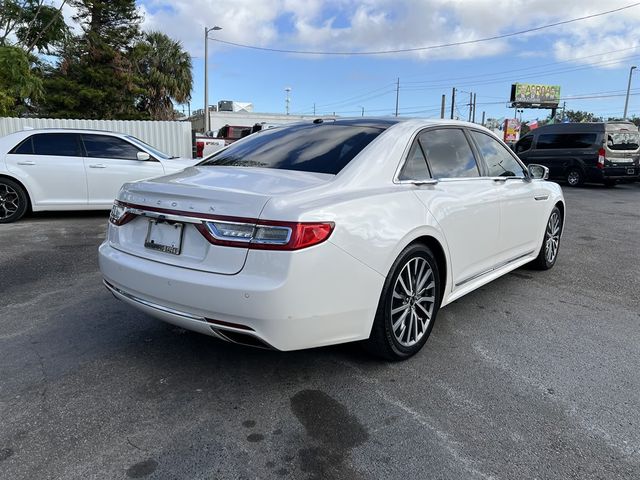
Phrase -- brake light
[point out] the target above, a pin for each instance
(601, 158)
(266, 235)
(119, 214)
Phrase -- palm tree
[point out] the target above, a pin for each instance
(165, 75)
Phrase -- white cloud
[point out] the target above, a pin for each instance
(346, 25)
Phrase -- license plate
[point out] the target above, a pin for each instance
(630, 171)
(164, 237)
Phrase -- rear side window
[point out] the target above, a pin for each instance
(566, 140)
(415, 168)
(24, 148)
(105, 146)
(319, 148)
(448, 153)
(56, 144)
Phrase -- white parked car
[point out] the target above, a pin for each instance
(329, 232)
(64, 169)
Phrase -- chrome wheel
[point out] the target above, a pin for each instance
(552, 237)
(413, 302)
(573, 178)
(9, 201)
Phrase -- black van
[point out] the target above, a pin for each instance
(603, 152)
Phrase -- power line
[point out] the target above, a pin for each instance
(430, 47)
(533, 67)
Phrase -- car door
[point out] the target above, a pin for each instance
(523, 203)
(51, 166)
(110, 162)
(465, 204)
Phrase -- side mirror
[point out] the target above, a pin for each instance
(538, 172)
(143, 156)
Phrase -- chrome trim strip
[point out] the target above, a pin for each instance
(217, 329)
(494, 268)
(155, 306)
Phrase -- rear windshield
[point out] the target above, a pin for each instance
(319, 148)
(623, 140)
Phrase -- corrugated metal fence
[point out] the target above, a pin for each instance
(173, 138)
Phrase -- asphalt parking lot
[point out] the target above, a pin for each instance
(534, 376)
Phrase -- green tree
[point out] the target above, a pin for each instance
(95, 68)
(19, 84)
(578, 116)
(164, 70)
(32, 24)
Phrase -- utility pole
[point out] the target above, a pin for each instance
(444, 99)
(206, 72)
(473, 118)
(626, 101)
(362, 111)
(314, 109)
(397, 94)
(453, 101)
(287, 100)
(483, 112)
(470, 105)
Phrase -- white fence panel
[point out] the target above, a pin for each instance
(173, 138)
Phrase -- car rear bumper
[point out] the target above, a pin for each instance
(284, 300)
(614, 173)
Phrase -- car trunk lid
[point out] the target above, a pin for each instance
(170, 211)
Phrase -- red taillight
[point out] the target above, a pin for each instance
(308, 234)
(266, 235)
(119, 214)
(601, 158)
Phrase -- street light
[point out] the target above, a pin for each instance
(626, 102)
(206, 78)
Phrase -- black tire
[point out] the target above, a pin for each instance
(14, 201)
(416, 259)
(574, 177)
(547, 259)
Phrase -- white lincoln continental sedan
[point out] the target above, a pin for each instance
(331, 231)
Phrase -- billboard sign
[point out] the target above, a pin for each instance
(511, 130)
(533, 95)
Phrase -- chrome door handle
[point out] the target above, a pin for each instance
(26, 162)
(98, 165)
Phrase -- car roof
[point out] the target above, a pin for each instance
(580, 127)
(29, 131)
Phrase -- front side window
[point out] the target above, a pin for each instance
(415, 168)
(105, 146)
(448, 153)
(319, 148)
(499, 160)
(524, 144)
(56, 144)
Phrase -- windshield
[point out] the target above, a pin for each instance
(319, 148)
(156, 153)
(623, 140)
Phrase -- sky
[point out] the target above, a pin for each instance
(588, 58)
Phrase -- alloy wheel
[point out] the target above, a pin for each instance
(552, 237)
(9, 201)
(413, 302)
(573, 178)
